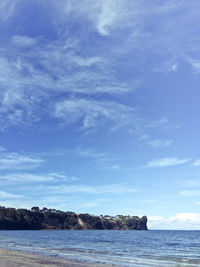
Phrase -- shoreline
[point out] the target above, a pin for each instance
(16, 258)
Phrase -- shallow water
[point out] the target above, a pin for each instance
(123, 248)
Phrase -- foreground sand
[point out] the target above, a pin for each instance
(9, 258)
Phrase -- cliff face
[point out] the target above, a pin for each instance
(118, 222)
(35, 219)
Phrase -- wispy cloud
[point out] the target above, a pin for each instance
(24, 41)
(195, 63)
(90, 153)
(27, 178)
(109, 15)
(160, 143)
(158, 123)
(7, 8)
(106, 189)
(104, 15)
(38, 68)
(63, 177)
(16, 161)
(113, 167)
(60, 202)
(191, 182)
(189, 193)
(196, 163)
(63, 202)
(24, 85)
(101, 160)
(155, 143)
(166, 162)
(2, 149)
(5, 195)
(92, 112)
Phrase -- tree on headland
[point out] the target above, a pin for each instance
(36, 219)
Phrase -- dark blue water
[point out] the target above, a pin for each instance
(123, 248)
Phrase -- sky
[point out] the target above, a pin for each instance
(99, 108)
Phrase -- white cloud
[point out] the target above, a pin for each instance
(192, 182)
(158, 123)
(16, 161)
(24, 85)
(154, 143)
(18, 98)
(62, 177)
(87, 61)
(168, 66)
(181, 221)
(26, 178)
(60, 202)
(24, 41)
(155, 220)
(75, 203)
(159, 143)
(189, 193)
(166, 162)
(2, 149)
(5, 195)
(79, 188)
(195, 63)
(34, 77)
(7, 8)
(196, 163)
(90, 153)
(94, 112)
(163, 123)
(110, 13)
(173, 67)
(104, 14)
(186, 220)
(143, 137)
(113, 167)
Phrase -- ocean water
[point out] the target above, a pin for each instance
(122, 248)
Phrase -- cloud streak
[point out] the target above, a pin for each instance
(166, 162)
(86, 189)
(92, 112)
(5, 195)
(27, 178)
(189, 193)
(158, 143)
(16, 161)
(196, 163)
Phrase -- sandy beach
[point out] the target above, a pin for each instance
(10, 258)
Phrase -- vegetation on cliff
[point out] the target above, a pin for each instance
(36, 219)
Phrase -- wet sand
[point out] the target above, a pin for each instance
(10, 258)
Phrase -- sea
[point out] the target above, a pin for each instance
(121, 248)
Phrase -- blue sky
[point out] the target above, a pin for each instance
(99, 108)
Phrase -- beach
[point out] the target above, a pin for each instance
(12, 258)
